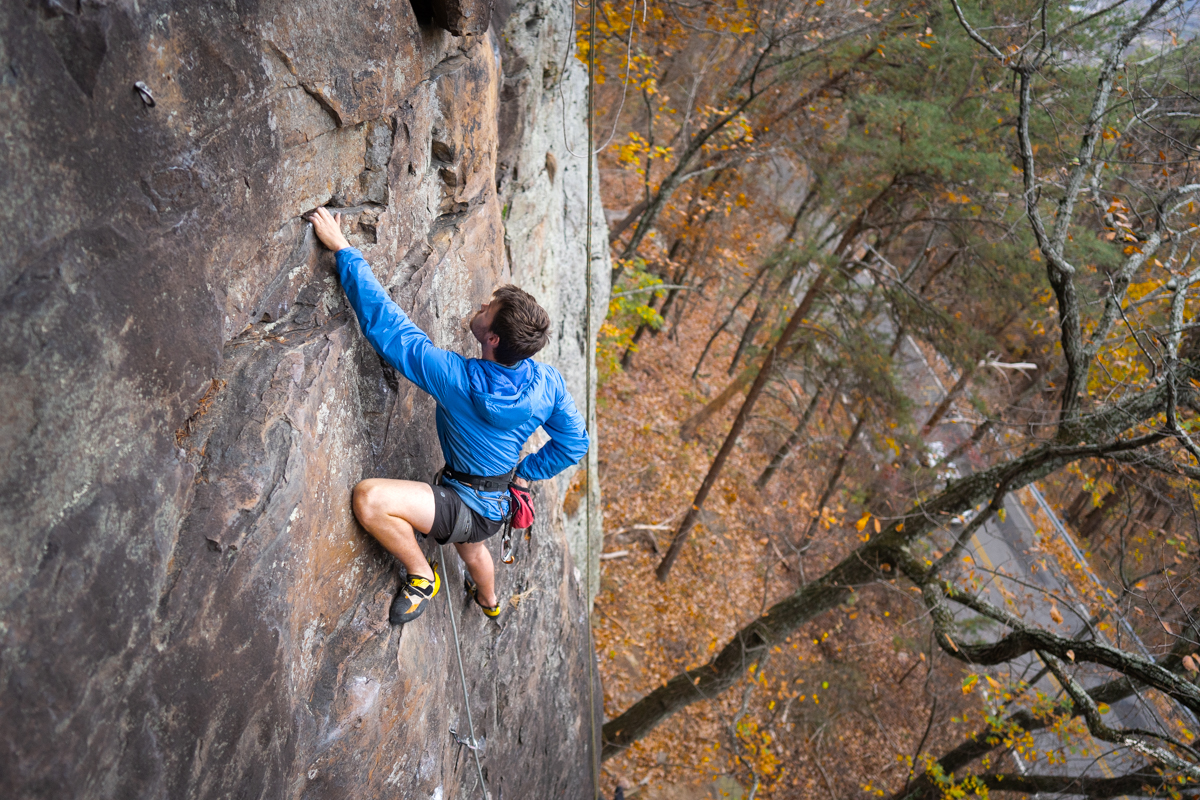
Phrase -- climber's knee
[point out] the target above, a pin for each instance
(361, 501)
(377, 502)
(369, 501)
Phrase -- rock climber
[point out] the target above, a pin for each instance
(487, 408)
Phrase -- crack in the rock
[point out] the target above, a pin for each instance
(323, 102)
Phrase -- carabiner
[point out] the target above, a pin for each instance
(506, 548)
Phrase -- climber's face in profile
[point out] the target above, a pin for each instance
(481, 324)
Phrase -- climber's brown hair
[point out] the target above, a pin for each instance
(522, 325)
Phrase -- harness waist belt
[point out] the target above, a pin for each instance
(482, 483)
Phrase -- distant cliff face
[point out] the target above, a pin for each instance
(187, 607)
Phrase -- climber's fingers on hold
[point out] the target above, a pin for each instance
(328, 228)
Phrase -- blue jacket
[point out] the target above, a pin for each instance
(485, 411)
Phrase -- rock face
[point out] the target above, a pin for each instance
(188, 606)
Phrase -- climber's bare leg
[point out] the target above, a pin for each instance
(479, 562)
(390, 510)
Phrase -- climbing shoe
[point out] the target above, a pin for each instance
(473, 590)
(414, 596)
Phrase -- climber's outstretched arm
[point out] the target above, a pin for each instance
(389, 330)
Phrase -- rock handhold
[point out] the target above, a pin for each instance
(440, 151)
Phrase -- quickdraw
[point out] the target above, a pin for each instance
(468, 742)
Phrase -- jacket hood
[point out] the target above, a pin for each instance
(503, 396)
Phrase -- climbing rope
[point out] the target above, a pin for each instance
(594, 756)
(624, 86)
(471, 742)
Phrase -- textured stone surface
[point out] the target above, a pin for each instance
(187, 607)
(542, 177)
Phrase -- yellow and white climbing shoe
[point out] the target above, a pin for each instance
(473, 590)
(414, 596)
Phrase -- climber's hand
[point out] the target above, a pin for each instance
(519, 481)
(328, 228)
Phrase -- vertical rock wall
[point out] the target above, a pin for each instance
(542, 177)
(187, 607)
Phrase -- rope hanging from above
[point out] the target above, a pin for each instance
(471, 743)
(589, 390)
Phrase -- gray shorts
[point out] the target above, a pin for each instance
(455, 522)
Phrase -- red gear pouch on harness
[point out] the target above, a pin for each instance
(522, 507)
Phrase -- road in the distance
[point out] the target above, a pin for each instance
(1009, 547)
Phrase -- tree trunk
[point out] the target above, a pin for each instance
(834, 477)
(691, 427)
(760, 382)
(627, 357)
(672, 295)
(624, 224)
(1076, 508)
(728, 318)
(752, 328)
(785, 449)
(760, 308)
(1098, 514)
(948, 400)
(676, 278)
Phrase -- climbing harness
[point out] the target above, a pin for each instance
(520, 503)
(482, 483)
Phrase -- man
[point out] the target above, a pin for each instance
(487, 408)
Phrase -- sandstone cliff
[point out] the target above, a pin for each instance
(188, 607)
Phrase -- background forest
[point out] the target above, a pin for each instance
(898, 391)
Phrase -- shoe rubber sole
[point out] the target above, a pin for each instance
(411, 603)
